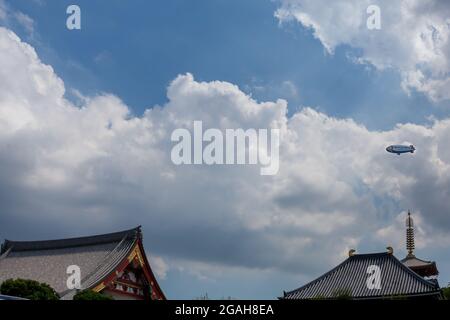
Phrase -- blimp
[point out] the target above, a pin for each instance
(399, 149)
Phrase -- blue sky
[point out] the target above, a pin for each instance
(135, 49)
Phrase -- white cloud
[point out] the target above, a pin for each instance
(286, 89)
(25, 21)
(414, 37)
(159, 266)
(76, 170)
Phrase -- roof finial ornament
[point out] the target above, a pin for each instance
(351, 252)
(410, 235)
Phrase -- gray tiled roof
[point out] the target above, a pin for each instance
(47, 261)
(416, 262)
(351, 276)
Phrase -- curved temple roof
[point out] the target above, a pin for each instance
(17, 246)
(47, 261)
(351, 277)
(421, 267)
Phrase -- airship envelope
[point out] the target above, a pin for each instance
(399, 149)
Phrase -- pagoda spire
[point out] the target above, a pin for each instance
(410, 235)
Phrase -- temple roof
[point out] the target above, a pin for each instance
(351, 276)
(47, 261)
(416, 262)
(68, 243)
(422, 267)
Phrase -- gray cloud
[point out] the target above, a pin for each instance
(69, 170)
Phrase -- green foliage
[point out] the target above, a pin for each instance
(28, 289)
(446, 293)
(342, 294)
(91, 295)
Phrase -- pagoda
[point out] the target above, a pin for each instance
(426, 269)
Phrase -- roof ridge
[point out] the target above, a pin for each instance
(383, 253)
(99, 266)
(69, 242)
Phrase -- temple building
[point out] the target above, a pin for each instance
(376, 276)
(113, 264)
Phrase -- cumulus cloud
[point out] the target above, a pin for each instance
(70, 170)
(414, 36)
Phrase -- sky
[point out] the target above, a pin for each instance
(86, 117)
